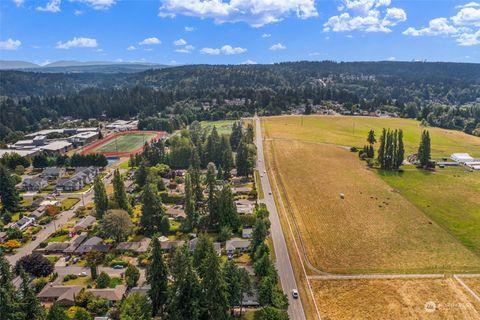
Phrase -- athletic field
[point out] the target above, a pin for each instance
(123, 144)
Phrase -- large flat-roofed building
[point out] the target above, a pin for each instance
(83, 138)
(58, 147)
(23, 153)
(462, 157)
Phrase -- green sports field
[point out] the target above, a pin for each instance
(125, 143)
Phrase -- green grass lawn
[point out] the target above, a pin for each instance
(353, 131)
(60, 238)
(258, 184)
(223, 126)
(68, 203)
(80, 281)
(450, 197)
(125, 143)
(114, 281)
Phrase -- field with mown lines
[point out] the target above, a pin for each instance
(394, 299)
(374, 229)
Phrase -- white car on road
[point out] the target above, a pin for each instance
(295, 293)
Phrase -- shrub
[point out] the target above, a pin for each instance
(118, 262)
(353, 149)
(69, 277)
(103, 280)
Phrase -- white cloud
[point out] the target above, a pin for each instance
(98, 4)
(278, 46)
(229, 50)
(464, 27)
(189, 29)
(391, 59)
(468, 5)
(249, 62)
(78, 43)
(253, 12)
(18, 3)
(51, 6)
(469, 39)
(99, 50)
(365, 15)
(44, 63)
(438, 26)
(314, 54)
(226, 50)
(10, 44)
(187, 49)
(210, 51)
(180, 42)
(131, 48)
(77, 12)
(266, 35)
(149, 41)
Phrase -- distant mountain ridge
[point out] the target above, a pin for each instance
(73, 66)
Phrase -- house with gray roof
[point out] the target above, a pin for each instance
(75, 243)
(53, 173)
(237, 245)
(34, 184)
(62, 295)
(84, 223)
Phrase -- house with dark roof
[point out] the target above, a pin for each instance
(34, 184)
(55, 247)
(135, 246)
(24, 223)
(80, 178)
(94, 243)
(75, 243)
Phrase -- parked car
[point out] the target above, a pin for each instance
(82, 274)
(118, 266)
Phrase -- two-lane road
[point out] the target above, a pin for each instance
(283, 264)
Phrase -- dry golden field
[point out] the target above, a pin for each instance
(374, 229)
(473, 283)
(394, 299)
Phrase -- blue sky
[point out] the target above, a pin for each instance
(239, 31)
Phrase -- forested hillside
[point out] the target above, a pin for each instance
(443, 94)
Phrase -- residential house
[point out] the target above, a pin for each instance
(37, 214)
(75, 243)
(138, 246)
(53, 173)
(62, 295)
(176, 212)
(84, 223)
(55, 247)
(237, 245)
(113, 295)
(24, 223)
(170, 244)
(241, 190)
(34, 184)
(142, 290)
(94, 243)
(244, 206)
(247, 232)
(82, 177)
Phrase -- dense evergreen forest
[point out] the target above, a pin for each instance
(442, 94)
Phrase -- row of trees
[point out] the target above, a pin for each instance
(391, 151)
(44, 160)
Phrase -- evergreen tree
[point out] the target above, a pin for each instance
(243, 165)
(259, 234)
(227, 211)
(211, 203)
(119, 192)
(249, 134)
(185, 293)
(371, 137)
(56, 313)
(424, 149)
(152, 210)
(101, 199)
(132, 275)
(400, 155)
(200, 253)
(136, 307)
(30, 304)
(226, 157)
(10, 306)
(381, 149)
(233, 285)
(189, 204)
(8, 192)
(236, 135)
(141, 174)
(214, 288)
(157, 274)
(212, 148)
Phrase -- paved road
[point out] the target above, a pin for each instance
(283, 264)
(62, 218)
